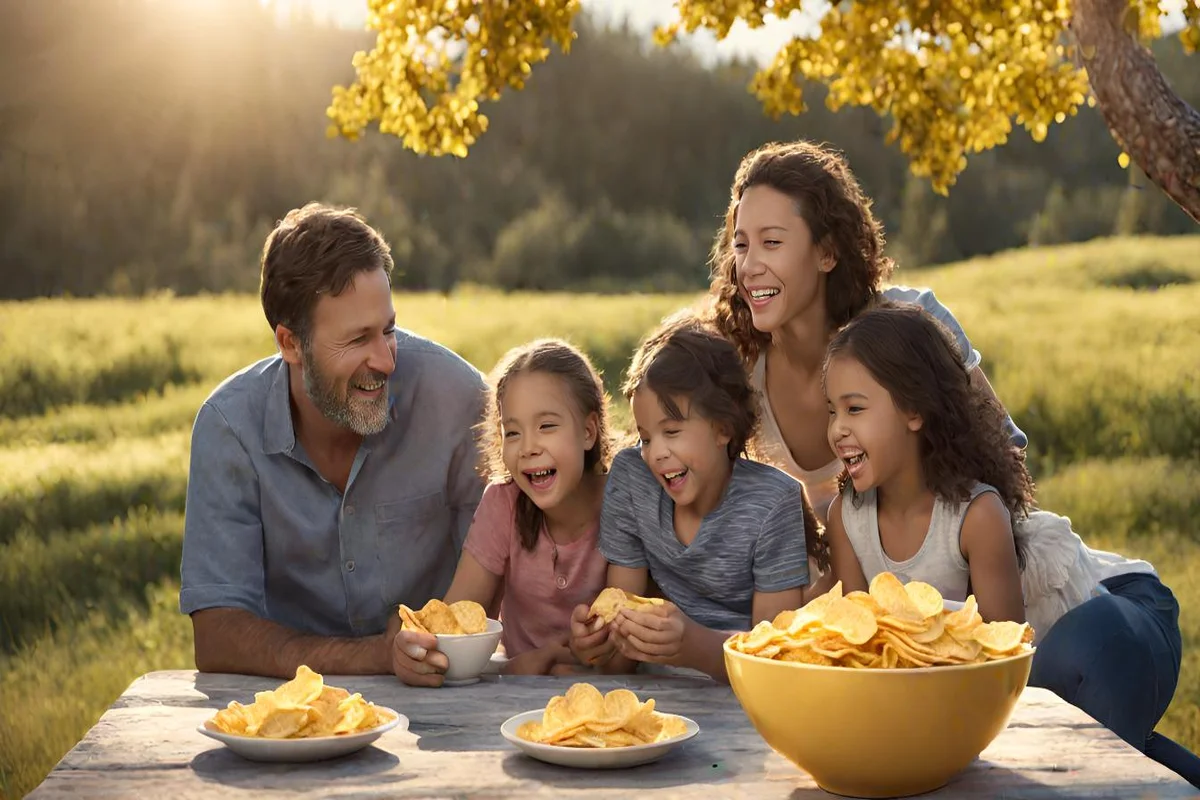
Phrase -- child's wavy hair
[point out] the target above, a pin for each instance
(963, 435)
(687, 358)
(829, 199)
(570, 365)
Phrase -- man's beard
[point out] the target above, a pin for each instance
(364, 417)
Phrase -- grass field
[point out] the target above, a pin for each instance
(1092, 348)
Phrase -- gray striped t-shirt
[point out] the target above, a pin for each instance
(754, 540)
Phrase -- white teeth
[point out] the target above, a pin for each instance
(759, 294)
(369, 387)
(541, 473)
(855, 459)
(673, 475)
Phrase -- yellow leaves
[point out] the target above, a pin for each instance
(434, 60)
(954, 76)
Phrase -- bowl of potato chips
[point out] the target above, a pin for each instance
(304, 719)
(464, 633)
(584, 728)
(884, 693)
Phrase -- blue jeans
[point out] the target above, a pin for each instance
(1117, 657)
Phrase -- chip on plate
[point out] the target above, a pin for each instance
(583, 717)
(302, 708)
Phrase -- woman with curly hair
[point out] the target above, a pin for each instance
(933, 490)
(800, 255)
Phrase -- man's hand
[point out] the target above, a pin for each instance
(590, 642)
(416, 659)
(655, 635)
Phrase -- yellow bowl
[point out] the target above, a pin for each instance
(878, 732)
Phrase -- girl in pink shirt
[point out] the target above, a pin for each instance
(532, 548)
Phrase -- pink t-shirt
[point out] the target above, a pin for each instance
(538, 593)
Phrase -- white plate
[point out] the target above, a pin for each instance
(317, 748)
(592, 757)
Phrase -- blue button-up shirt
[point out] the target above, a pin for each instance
(266, 533)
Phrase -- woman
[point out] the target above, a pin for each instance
(799, 256)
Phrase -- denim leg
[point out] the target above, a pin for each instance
(1117, 658)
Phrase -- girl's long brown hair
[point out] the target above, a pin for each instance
(569, 364)
(963, 434)
(827, 196)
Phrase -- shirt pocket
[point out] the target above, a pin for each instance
(416, 548)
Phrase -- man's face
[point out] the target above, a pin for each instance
(351, 354)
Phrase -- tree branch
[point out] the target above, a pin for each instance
(1159, 131)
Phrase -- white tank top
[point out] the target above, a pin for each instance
(939, 561)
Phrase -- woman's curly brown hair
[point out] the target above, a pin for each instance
(829, 199)
(563, 360)
(963, 433)
(685, 357)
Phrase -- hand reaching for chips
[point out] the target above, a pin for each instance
(302, 708)
(463, 617)
(893, 625)
(585, 718)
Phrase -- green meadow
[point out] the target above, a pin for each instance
(1093, 349)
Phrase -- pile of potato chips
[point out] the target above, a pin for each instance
(302, 708)
(463, 617)
(585, 718)
(611, 600)
(894, 625)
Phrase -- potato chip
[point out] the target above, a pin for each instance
(437, 617)
(462, 617)
(583, 717)
(894, 625)
(611, 600)
(301, 708)
(409, 620)
(470, 615)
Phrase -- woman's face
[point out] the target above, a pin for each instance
(780, 270)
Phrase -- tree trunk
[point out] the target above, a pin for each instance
(1159, 131)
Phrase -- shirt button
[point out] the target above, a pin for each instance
(350, 566)
(350, 511)
(560, 582)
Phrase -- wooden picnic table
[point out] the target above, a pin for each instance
(146, 745)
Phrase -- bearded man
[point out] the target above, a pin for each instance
(334, 479)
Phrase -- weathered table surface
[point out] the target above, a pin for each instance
(147, 745)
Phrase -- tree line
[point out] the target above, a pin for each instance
(148, 145)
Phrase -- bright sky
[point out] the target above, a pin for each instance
(760, 44)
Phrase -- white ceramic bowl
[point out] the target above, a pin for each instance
(469, 653)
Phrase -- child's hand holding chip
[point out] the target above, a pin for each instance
(590, 641)
(416, 659)
(655, 634)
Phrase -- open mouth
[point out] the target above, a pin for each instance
(760, 297)
(675, 479)
(541, 478)
(372, 389)
(855, 462)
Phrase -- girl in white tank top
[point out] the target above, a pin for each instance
(933, 490)
(933, 487)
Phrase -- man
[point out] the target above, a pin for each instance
(333, 480)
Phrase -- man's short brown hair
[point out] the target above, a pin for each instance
(316, 250)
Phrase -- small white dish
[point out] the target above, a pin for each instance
(468, 654)
(317, 748)
(592, 757)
